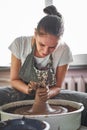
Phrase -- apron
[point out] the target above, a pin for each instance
(30, 72)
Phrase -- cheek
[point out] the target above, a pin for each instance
(51, 49)
(39, 48)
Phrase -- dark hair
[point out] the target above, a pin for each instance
(52, 23)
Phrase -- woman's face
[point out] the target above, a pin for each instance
(45, 44)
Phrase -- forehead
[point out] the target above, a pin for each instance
(47, 39)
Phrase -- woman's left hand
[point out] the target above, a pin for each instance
(43, 93)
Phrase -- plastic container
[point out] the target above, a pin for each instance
(24, 124)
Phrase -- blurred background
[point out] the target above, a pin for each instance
(20, 17)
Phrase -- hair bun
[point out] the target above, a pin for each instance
(51, 10)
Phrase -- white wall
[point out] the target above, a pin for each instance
(75, 18)
(17, 18)
(20, 17)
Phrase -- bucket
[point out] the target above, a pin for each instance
(24, 124)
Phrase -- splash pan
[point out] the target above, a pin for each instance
(64, 121)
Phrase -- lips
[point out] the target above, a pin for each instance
(44, 54)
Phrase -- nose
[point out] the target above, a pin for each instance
(46, 50)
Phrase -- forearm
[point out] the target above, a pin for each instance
(60, 75)
(53, 91)
(20, 86)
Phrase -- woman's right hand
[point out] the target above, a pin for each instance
(32, 86)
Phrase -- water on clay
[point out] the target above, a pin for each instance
(39, 107)
(26, 110)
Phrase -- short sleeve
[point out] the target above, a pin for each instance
(15, 47)
(66, 56)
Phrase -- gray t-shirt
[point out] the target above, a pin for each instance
(21, 47)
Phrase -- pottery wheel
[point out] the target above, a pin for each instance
(40, 107)
(26, 110)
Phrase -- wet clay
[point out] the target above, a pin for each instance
(40, 108)
(43, 107)
(25, 110)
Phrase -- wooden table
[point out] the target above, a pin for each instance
(83, 128)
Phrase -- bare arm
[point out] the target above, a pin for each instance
(60, 75)
(14, 75)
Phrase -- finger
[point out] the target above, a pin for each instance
(42, 94)
(43, 98)
(34, 85)
(29, 85)
(29, 89)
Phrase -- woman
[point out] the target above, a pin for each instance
(43, 58)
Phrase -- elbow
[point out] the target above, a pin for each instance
(12, 82)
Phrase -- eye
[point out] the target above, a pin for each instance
(52, 47)
(41, 44)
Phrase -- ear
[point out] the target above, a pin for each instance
(35, 32)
